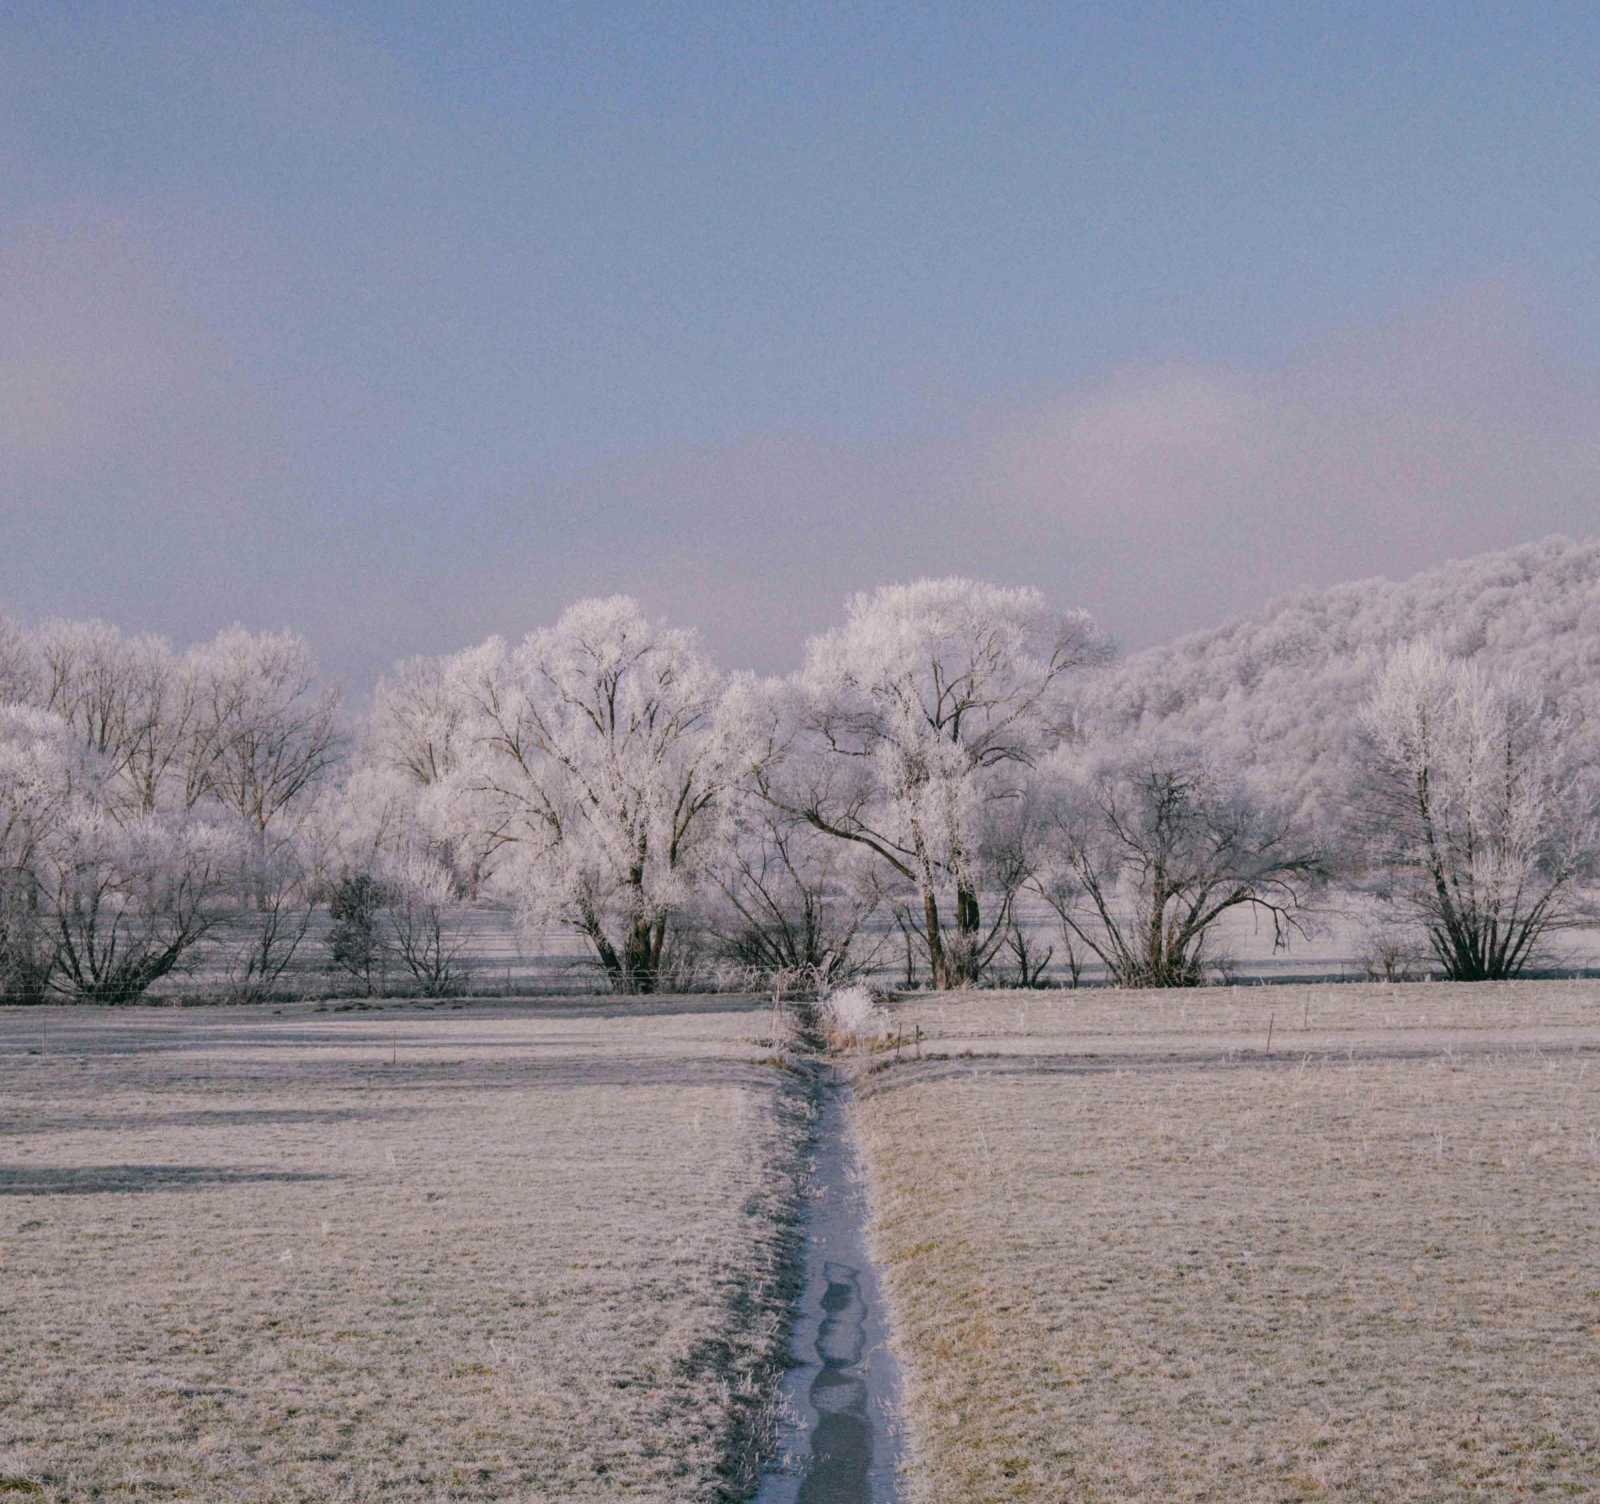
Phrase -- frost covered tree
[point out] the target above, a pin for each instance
(1478, 801)
(43, 764)
(913, 729)
(43, 768)
(128, 698)
(412, 747)
(394, 884)
(238, 722)
(1146, 845)
(597, 774)
(790, 899)
(418, 718)
(99, 901)
(262, 742)
(420, 920)
(178, 751)
(19, 664)
(129, 898)
(279, 875)
(87, 681)
(264, 735)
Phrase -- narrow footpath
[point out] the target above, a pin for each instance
(839, 1437)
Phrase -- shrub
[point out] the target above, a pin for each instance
(850, 1016)
(353, 942)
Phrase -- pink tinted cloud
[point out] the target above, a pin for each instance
(1381, 452)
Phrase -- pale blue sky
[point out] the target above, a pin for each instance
(404, 323)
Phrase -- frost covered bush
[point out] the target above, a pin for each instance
(98, 903)
(1477, 799)
(128, 900)
(850, 1015)
(422, 926)
(1145, 847)
(1391, 952)
(790, 903)
(150, 797)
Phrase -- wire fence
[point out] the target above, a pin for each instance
(648, 985)
(494, 959)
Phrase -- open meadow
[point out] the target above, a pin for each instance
(416, 1253)
(1131, 1255)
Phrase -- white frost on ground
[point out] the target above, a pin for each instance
(416, 1254)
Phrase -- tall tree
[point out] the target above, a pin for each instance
(43, 769)
(417, 722)
(20, 670)
(264, 734)
(597, 773)
(95, 900)
(418, 733)
(913, 728)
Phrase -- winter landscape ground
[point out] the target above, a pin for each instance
(417, 1254)
(1132, 1248)
(1131, 1254)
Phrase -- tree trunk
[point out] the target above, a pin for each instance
(962, 963)
(638, 962)
(937, 965)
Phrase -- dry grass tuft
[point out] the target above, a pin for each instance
(850, 1020)
(1173, 1267)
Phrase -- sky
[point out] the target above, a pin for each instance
(406, 323)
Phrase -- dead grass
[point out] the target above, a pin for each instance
(1131, 1257)
(411, 1254)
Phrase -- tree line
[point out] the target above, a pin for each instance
(950, 755)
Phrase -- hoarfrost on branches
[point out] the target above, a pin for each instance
(1147, 844)
(915, 726)
(1479, 802)
(596, 773)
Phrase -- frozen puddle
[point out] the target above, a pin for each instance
(840, 1441)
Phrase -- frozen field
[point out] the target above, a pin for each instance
(1130, 1256)
(414, 1254)
(535, 1252)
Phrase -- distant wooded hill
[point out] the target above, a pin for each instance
(1279, 690)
